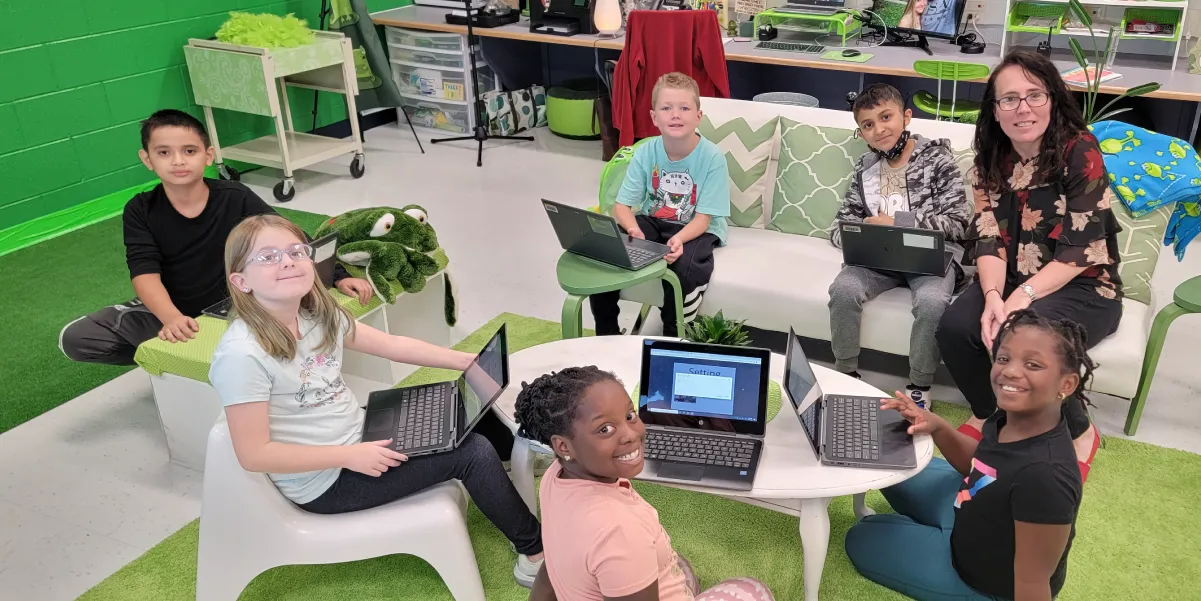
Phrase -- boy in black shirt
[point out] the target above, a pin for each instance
(996, 519)
(174, 246)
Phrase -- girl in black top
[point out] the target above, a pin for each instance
(996, 519)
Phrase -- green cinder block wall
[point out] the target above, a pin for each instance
(78, 76)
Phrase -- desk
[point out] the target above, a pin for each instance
(1176, 85)
(790, 479)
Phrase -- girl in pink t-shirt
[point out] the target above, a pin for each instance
(602, 541)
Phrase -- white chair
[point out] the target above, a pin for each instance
(248, 527)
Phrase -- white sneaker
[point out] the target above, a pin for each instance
(525, 571)
(920, 398)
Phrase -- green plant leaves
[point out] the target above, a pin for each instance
(716, 329)
(1081, 14)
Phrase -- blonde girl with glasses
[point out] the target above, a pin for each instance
(1045, 235)
(277, 370)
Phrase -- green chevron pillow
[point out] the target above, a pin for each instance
(815, 168)
(747, 142)
(1139, 245)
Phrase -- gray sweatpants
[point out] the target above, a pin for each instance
(857, 285)
(110, 335)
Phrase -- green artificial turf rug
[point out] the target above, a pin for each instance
(51, 284)
(1135, 536)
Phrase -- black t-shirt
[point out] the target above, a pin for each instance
(189, 254)
(1036, 480)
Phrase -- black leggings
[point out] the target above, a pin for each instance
(474, 463)
(969, 363)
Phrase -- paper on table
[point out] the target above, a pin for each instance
(749, 7)
(1076, 76)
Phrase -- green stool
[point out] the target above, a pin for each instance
(1187, 299)
(581, 278)
(955, 110)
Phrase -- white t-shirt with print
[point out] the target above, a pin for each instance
(308, 403)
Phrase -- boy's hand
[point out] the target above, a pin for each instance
(353, 287)
(879, 220)
(677, 249)
(179, 329)
(636, 233)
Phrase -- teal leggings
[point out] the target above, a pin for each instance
(910, 551)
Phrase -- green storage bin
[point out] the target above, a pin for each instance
(571, 110)
(1024, 10)
(1153, 15)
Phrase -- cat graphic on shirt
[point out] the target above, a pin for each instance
(325, 390)
(674, 195)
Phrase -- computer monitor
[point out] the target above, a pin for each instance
(919, 20)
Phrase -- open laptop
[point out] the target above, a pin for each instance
(812, 7)
(324, 262)
(596, 236)
(434, 418)
(895, 248)
(849, 431)
(705, 410)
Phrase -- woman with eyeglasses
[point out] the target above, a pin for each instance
(278, 371)
(1045, 236)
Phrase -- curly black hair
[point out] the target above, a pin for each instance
(547, 406)
(993, 147)
(1072, 348)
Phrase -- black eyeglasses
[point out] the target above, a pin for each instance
(1033, 100)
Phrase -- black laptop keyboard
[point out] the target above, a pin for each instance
(856, 431)
(703, 450)
(640, 256)
(425, 415)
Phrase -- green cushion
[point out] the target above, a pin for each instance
(1139, 244)
(815, 169)
(746, 142)
(614, 174)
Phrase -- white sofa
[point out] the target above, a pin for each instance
(777, 280)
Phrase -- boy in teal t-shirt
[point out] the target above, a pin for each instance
(676, 192)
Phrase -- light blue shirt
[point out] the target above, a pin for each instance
(307, 401)
(675, 191)
(940, 17)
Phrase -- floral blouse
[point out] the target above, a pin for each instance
(1067, 219)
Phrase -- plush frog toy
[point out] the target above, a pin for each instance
(392, 244)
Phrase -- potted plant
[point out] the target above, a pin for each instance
(716, 329)
(1093, 80)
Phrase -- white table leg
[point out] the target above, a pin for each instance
(815, 541)
(521, 468)
(861, 508)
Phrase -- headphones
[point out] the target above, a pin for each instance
(968, 44)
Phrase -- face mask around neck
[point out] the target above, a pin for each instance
(897, 149)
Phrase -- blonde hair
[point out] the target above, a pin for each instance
(676, 81)
(275, 339)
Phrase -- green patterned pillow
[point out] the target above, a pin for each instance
(1140, 243)
(815, 169)
(747, 142)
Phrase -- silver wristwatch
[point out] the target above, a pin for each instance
(1029, 290)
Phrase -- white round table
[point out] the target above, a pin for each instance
(790, 478)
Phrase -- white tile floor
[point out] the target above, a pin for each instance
(86, 488)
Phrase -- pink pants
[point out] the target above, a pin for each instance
(734, 589)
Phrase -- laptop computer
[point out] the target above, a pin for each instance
(596, 236)
(324, 262)
(849, 431)
(812, 7)
(895, 248)
(705, 410)
(434, 418)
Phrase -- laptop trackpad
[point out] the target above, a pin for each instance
(677, 471)
(380, 419)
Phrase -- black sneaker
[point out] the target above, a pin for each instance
(921, 398)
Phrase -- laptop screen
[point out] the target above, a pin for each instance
(482, 382)
(800, 382)
(704, 387)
